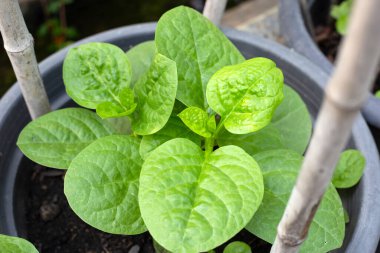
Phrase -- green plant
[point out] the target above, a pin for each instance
(377, 94)
(10, 244)
(341, 13)
(237, 247)
(210, 143)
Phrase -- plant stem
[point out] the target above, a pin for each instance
(345, 94)
(209, 146)
(18, 43)
(214, 10)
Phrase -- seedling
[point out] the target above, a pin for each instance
(214, 145)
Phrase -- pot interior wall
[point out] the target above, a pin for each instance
(17, 116)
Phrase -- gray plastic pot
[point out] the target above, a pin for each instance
(362, 201)
(293, 29)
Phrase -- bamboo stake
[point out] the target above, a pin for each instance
(214, 10)
(18, 43)
(345, 94)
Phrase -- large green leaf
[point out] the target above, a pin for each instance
(173, 129)
(95, 74)
(102, 184)
(198, 47)
(54, 139)
(290, 128)
(245, 95)
(280, 169)
(191, 203)
(140, 57)
(10, 244)
(155, 91)
(198, 121)
(349, 169)
(122, 125)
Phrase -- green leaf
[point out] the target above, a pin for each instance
(280, 169)
(341, 13)
(198, 121)
(245, 95)
(111, 110)
(192, 204)
(346, 216)
(377, 94)
(173, 129)
(122, 125)
(10, 244)
(349, 169)
(54, 139)
(158, 248)
(97, 73)
(198, 47)
(290, 128)
(237, 247)
(141, 57)
(178, 107)
(155, 92)
(102, 184)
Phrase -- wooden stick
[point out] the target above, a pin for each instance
(214, 10)
(345, 94)
(18, 43)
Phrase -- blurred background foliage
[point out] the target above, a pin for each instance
(56, 23)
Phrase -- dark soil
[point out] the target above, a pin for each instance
(54, 228)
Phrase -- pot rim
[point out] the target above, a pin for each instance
(294, 31)
(370, 205)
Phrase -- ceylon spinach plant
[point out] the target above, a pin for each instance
(202, 143)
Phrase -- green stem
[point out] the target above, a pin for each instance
(209, 146)
(218, 128)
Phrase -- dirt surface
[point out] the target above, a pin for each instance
(54, 228)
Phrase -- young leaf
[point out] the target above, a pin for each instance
(95, 74)
(10, 244)
(140, 57)
(193, 204)
(54, 139)
(237, 247)
(349, 169)
(377, 94)
(112, 110)
(245, 95)
(198, 47)
(290, 128)
(198, 121)
(102, 184)
(173, 129)
(341, 13)
(280, 169)
(155, 91)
